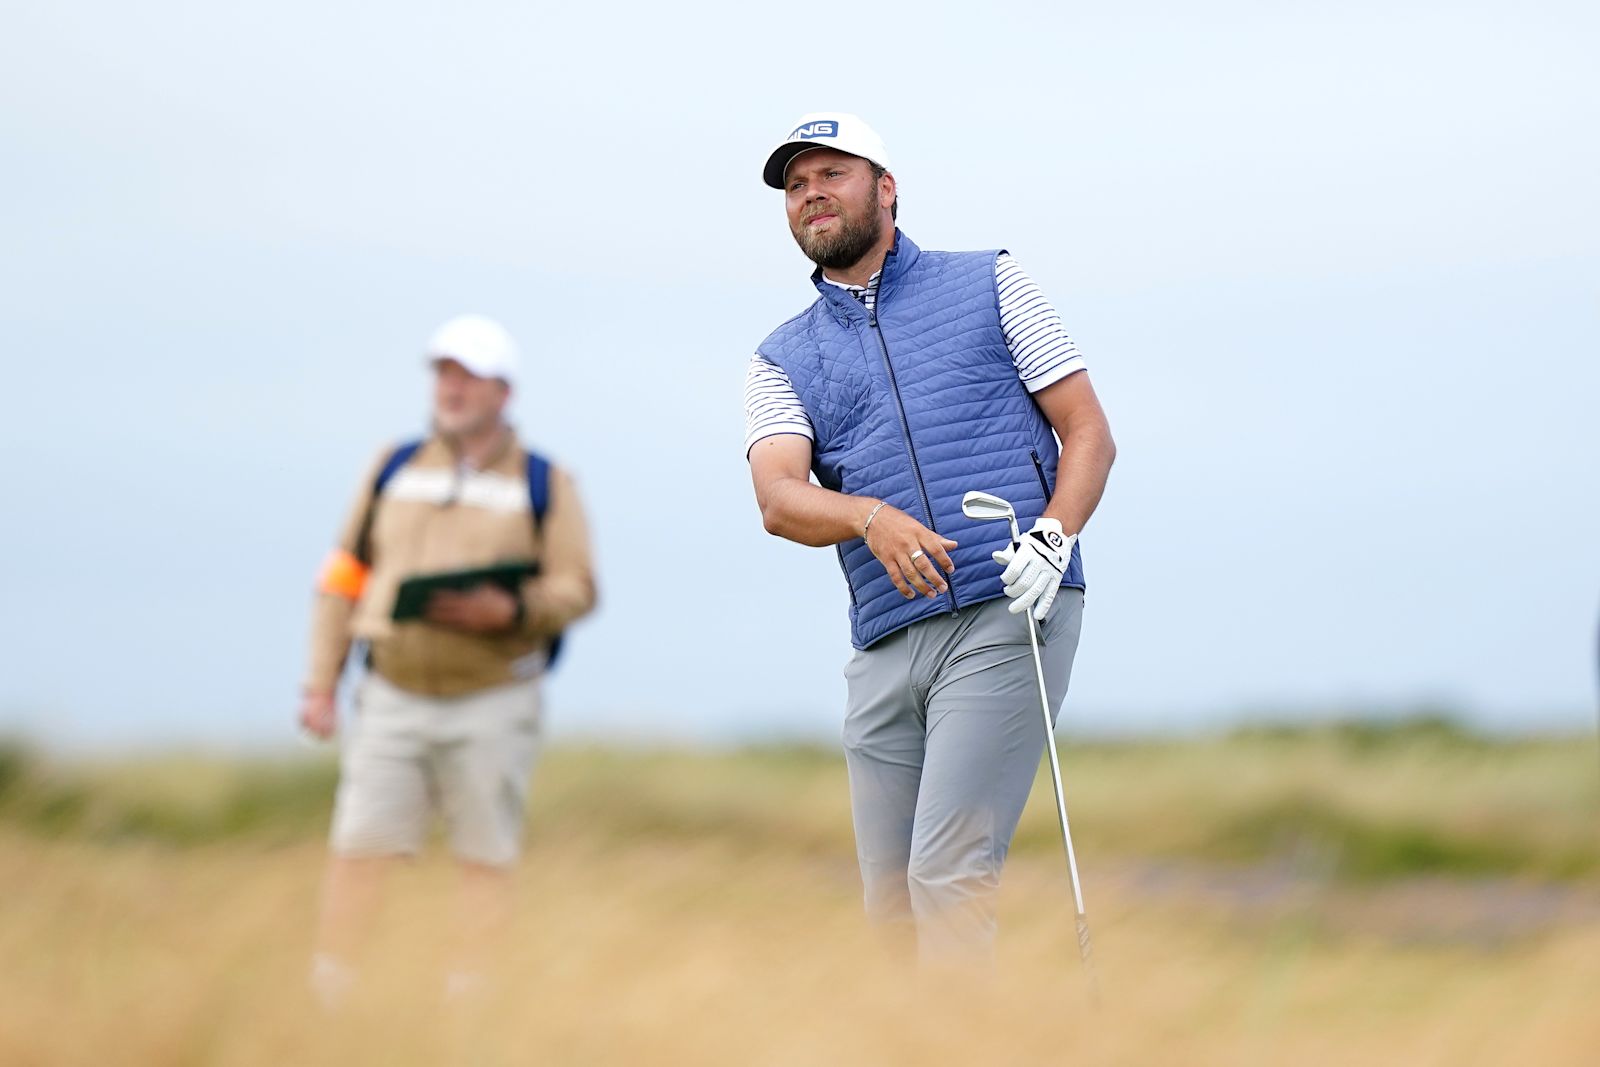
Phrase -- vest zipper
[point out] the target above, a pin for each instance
(911, 449)
(1038, 468)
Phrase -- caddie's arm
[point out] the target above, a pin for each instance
(564, 590)
(1087, 450)
(340, 583)
(795, 508)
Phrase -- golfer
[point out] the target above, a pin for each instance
(914, 377)
(448, 714)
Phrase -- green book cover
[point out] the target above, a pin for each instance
(412, 597)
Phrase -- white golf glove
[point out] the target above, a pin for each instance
(1033, 569)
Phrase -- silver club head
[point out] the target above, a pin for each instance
(986, 507)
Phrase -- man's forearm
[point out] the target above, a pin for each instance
(553, 601)
(566, 587)
(1086, 457)
(800, 511)
(330, 642)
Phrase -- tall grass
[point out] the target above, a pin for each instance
(695, 908)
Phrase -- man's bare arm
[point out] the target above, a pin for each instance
(794, 508)
(1087, 450)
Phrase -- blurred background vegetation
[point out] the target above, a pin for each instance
(1367, 799)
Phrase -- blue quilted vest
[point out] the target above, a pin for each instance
(917, 406)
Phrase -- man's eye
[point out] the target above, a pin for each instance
(835, 173)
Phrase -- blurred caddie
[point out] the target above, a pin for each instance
(914, 377)
(447, 716)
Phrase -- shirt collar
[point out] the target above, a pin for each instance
(872, 284)
(496, 457)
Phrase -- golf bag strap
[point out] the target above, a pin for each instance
(396, 459)
(539, 502)
(538, 486)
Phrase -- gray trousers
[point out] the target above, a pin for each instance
(943, 737)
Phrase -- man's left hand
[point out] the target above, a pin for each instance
(483, 609)
(1033, 569)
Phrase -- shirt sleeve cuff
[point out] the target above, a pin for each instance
(774, 430)
(1065, 369)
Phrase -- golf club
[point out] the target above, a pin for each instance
(986, 507)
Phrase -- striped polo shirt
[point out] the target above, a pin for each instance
(1039, 345)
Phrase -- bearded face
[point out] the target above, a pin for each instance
(834, 206)
(835, 234)
(465, 405)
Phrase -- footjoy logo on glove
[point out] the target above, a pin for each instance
(1054, 539)
(820, 128)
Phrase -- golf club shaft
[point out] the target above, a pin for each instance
(982, 506)
(1055, 778)
(1085, 952)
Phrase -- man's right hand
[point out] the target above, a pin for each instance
(917, 559)
(319, 715)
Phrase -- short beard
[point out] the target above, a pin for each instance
(475, 428)
(851, 239)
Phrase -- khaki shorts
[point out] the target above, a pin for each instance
(406, 756)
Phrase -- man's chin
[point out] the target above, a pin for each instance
(844, 251)
(823, 254)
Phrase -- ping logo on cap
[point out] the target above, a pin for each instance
(819, 128)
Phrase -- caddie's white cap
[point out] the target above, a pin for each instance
(825, 129)
(479, 344)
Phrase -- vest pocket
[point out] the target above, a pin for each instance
(1038, 468)
(848, 584)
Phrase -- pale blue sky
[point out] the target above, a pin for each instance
(1336, 272)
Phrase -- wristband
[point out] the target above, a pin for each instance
(870, 516)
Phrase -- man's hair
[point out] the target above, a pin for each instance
(894, 208)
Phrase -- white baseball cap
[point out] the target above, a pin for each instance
(825, 129)
(479, 344)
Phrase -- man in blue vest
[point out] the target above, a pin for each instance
(914, 377)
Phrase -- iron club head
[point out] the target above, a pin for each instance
(986, 507)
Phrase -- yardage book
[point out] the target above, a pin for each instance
(412, 597)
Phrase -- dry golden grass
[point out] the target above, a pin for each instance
(681, 909)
